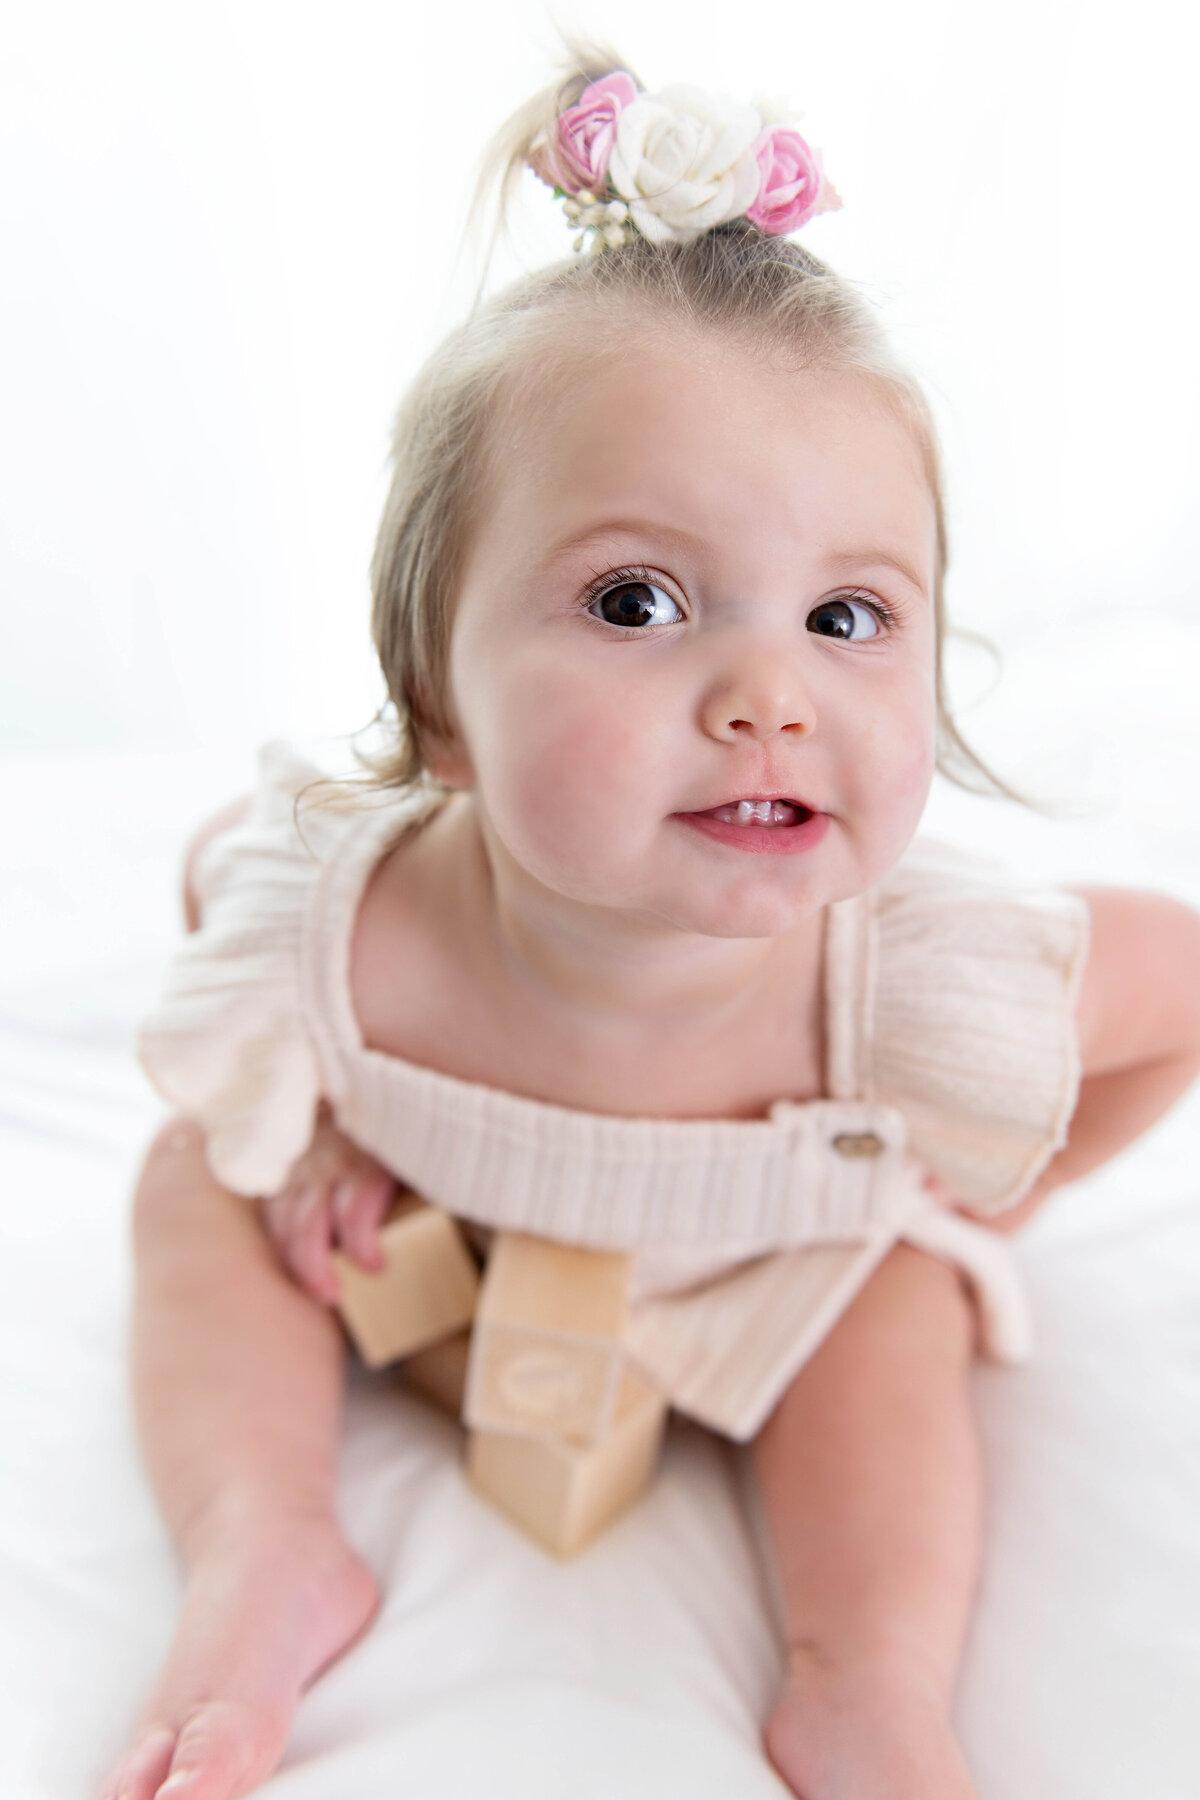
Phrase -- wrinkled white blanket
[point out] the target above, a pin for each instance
(643, 1669)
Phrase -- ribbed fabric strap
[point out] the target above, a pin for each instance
(820, 1172)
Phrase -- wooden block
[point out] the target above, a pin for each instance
(563, 1494)
(427, 1290)
(439, 1372)
(546, 1350)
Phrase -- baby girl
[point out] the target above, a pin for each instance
(658, 598)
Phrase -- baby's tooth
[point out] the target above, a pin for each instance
(757, 812)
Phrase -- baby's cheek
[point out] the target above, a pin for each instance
(913, 753)
(897, 770)
(566, 781)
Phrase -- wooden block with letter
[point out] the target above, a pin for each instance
(564, 1493)
(426, 1291)
(546, 1349)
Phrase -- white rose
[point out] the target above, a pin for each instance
(682, 159)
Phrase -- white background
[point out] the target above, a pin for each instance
(229, 235)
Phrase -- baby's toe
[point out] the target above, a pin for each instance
(223, 1749)
(143, 1768)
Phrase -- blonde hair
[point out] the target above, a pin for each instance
(767, 294)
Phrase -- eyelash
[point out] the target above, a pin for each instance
(888, 616)
(613, 578)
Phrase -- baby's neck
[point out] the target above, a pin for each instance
(625, 972)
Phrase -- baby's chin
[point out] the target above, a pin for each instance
(750, 908)
(746, 909)
(748, 919)
(696, 888)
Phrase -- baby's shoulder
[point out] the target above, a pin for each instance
(397, 946)
(934, 872)
(306, 821)
(957, 941)
(237, 1039)
(236, 851)
(214, 826)
(942, 911)
(967, 989)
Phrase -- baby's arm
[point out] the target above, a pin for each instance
(1139, 1032)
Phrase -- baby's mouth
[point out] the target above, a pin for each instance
(759, 812)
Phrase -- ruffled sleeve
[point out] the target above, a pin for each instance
(969, 1021)
(228, 1044)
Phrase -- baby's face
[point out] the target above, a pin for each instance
(699, 580)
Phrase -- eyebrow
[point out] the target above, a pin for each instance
(621, 528)
(840, 563)
(878, 559)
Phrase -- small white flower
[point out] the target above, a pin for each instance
(682, 159)
(774, 111)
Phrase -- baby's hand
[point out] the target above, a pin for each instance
(335, 1194)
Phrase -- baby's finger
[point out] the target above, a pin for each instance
(277, 1212)
(359, 1207)
(308, 1248)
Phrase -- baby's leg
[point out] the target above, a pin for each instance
(237, 1384)
(869, 1473)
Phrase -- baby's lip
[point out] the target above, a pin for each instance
(757, 799)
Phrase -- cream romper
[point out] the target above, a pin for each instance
(951, 1050)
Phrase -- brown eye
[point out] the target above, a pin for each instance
(635, 603)
(848, 619)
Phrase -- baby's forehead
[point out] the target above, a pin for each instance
(698, 428)
(639, 367)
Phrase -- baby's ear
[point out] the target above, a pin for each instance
(439, 741)
(447, 760)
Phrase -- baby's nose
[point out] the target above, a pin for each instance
(763, 692)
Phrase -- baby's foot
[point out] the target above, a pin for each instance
(863, 1736)
(264, 1611)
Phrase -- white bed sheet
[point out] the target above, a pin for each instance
(645, 1667)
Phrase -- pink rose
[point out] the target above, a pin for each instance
(792, 188)
(577, 154)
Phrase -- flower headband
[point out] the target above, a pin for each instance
(671, 165)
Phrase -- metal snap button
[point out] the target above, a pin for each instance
(858, 1143)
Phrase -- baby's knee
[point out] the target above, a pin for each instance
(174, 1170)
